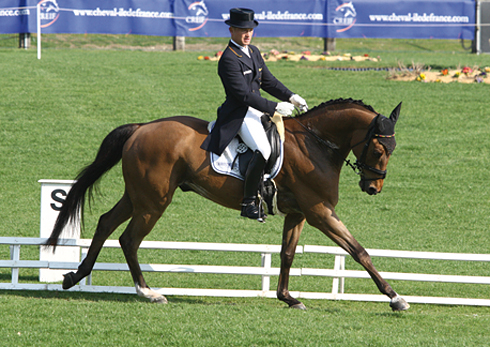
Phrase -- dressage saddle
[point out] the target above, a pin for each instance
(275, 142)
(267, 189)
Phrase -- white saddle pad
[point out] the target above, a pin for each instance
(227, 165)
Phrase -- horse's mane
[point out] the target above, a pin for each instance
(349, 101)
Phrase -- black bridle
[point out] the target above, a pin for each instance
(359, 166)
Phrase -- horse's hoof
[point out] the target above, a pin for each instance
(159, 300)
(68, 281)
(299, 306)
(399, 304)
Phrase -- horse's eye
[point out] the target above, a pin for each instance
(377, 154)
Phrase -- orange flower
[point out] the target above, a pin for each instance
(444, 72)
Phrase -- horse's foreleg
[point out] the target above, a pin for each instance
(337, 231)
(141, 224)
(293, 225)
(106, 226)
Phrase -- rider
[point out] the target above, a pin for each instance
(243, 73)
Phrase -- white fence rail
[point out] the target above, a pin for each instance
(338, 273)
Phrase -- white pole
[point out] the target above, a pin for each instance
(38, 10)
(478, 28)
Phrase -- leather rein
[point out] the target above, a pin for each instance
(359, 166)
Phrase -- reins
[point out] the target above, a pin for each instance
(359, 165)
(329, 146)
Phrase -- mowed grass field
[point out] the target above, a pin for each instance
(54, 113)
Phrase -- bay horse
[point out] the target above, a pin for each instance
(160, 156)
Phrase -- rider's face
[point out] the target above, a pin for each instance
(241, 36)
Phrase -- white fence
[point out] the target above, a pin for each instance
(338, 273)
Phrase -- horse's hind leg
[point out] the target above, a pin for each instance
(108, 222)
(141, 224)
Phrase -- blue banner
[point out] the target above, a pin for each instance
(401, 19)
(439, 19)
(15, 16)
(288, 18)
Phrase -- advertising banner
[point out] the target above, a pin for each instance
(451, 19)
(401, 19)
(286, 18)
(15, 16)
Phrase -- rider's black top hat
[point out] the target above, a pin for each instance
(242, 18)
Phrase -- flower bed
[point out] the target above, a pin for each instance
(275, 55)
(461, 75)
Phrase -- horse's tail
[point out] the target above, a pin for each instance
(110, 153)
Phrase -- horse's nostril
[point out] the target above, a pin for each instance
(372, 191)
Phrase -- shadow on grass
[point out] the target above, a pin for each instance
(264, 303)
(108, 297)
(7, 277)
(315, 307)
(391, 314)
(62, 295)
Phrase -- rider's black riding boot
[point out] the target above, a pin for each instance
(252, 180)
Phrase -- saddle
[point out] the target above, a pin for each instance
(236, 157)
(245, 153)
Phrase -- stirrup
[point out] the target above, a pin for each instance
(252, 211)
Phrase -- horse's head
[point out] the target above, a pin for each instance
(372, 158)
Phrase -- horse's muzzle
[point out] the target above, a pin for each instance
(372, 191)
(369, 187)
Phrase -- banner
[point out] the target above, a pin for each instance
(286, 18)
(15, 16)
(402, 19)
(439, 19)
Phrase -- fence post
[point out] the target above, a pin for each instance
(25, 40)
(15, 256)
(266, 264)
(179, 43)
(329, 44)
(338, 283)
(482, 30)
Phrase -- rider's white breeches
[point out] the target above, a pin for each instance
(253, 134)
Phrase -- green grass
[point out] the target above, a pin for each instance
(54, 113)
(55, 319)
(435, 53)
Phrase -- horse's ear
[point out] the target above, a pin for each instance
(396, 112)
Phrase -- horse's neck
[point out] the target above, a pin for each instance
(340, 126)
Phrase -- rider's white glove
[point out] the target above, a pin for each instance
(299, 102)
(285, 109)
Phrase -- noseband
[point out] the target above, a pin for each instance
(359, 166)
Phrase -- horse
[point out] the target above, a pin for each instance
(160, 156)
